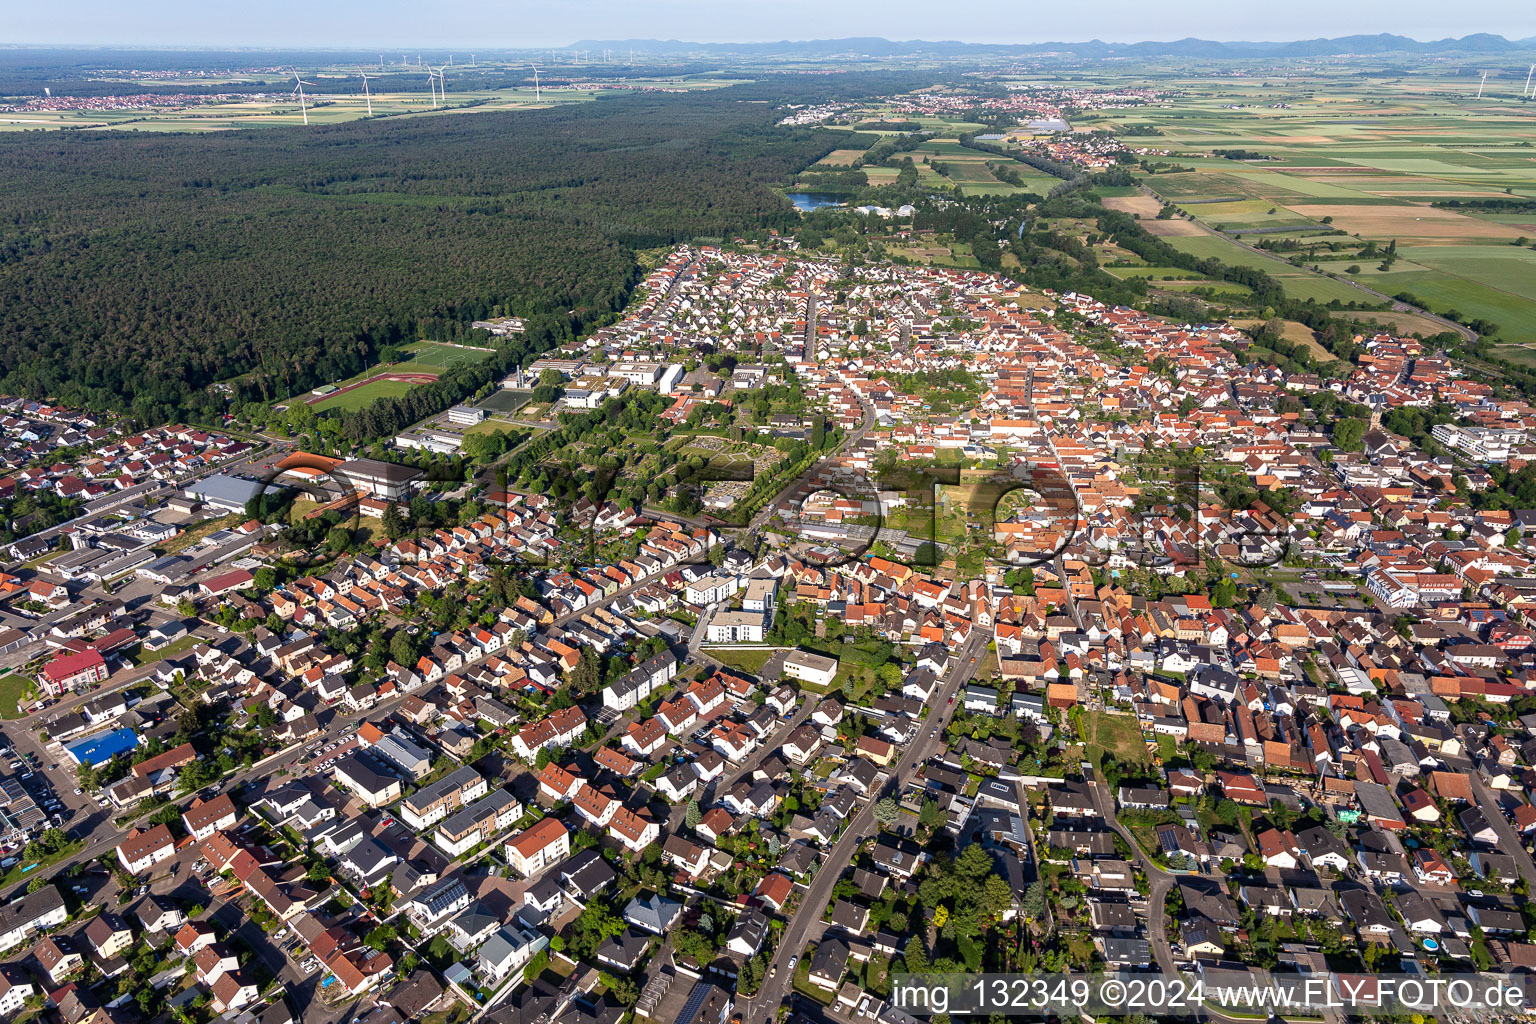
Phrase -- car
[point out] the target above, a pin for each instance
(15, 765)
(772, 971)
(1475, 893)
(792, 961)
(934, 731)
(52, 767)
(78, 791)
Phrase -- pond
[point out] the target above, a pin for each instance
(807, 201)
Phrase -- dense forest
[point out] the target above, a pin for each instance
(138, 269)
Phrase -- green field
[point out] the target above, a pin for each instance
(425, 357)
(1369, 156)
(1119, 735)
(357, 398)
(325, 107)
(437, 356)
(13, 689)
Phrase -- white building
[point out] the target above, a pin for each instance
(815, 669)
(737, 627)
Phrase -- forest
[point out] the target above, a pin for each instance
(137, 270)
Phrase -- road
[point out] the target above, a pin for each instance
(1509, 841)
(1161, 881)
(807, 923)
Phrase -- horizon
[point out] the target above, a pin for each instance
(463, 47)
(489, 25)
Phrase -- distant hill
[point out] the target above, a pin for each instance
(869, 46)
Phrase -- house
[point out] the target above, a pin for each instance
(435, 904)
(624, 951)
(651, 912)
(634, 831)
(158, 914)
(748, 934)
(509, 948)
(684, 855)
(233, 990)
(108, 934)
(58, 958)
(538, 846)
(829, 964)
(16, 988)
(142, 849)
(802, 744)
(367, 780)
(775, 890)
(29, 914)
(205, 817)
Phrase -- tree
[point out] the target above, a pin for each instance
(916, 956)
(1347, 433)
(339, 539)
(1033, 903)
(692, 815)
(585, 676)
(887, 810)
(394, 522)
(402, 649)
(265, 578)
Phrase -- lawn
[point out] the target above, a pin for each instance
(748, 660)
(357, 398)
(1119, 735)
(13, 690)
(139, 656)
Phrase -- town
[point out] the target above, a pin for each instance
(1252, 698)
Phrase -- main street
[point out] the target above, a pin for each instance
(806, 924)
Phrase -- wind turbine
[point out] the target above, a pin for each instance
(366, 94)
(299, 90)
(1481, 84)
(538, 97)
(442, 83)
(432, 85)
(1528, 80)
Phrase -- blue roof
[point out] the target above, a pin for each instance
(99, 749)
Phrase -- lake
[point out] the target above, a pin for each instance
(805, 201)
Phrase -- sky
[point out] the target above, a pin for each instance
(492, 24)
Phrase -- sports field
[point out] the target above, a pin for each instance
(427, 360)
(356, 396)
(506, 401)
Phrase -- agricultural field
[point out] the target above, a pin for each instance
(334, 97)
(840, 158)
(1323, 165)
